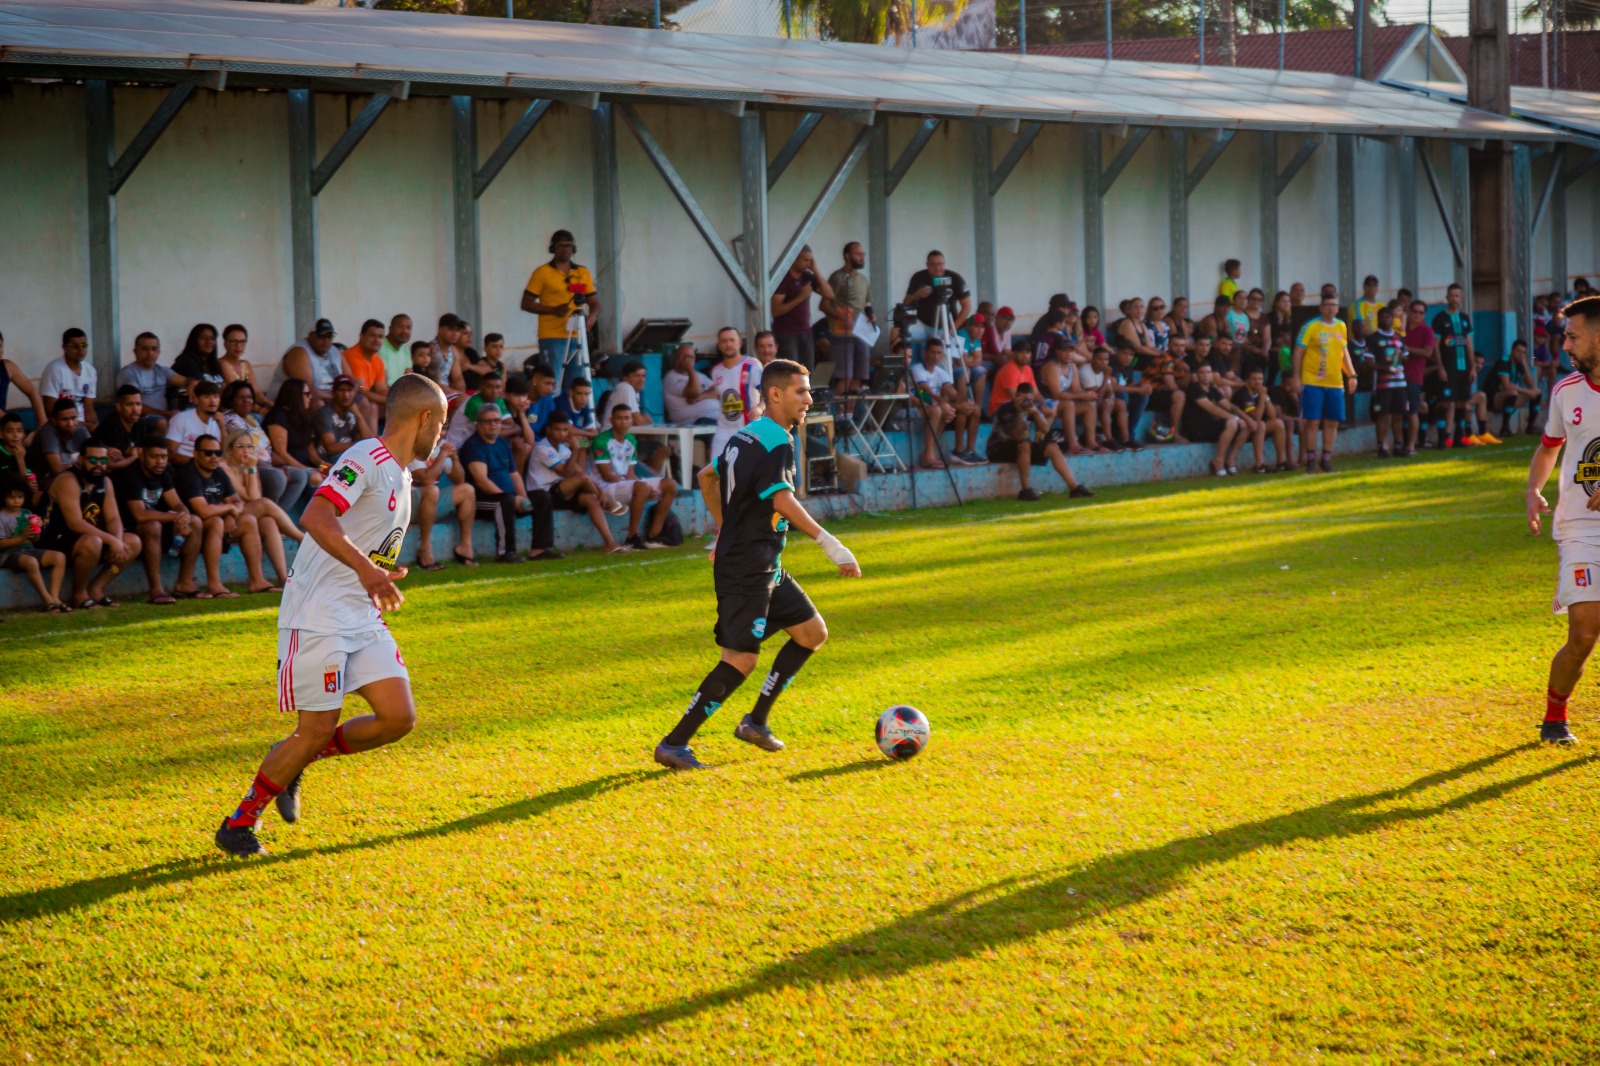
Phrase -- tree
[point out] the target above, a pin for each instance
(1085, 20)
(601, 12)
(1573, 14)
(867, 21)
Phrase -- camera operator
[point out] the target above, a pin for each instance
(791, 309)
(931, 287)
(555, 292)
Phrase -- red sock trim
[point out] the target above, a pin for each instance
(1555, 707)
(255, 801)
(339, 742)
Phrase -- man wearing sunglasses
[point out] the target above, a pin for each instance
(205, 489)
(84, 524)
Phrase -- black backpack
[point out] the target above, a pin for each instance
(671, 530)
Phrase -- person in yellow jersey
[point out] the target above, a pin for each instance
(554, 292)
(1370, 304)
(1230, 278)
(1322, 373)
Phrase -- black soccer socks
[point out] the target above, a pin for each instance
(722, 682)
(791, 657)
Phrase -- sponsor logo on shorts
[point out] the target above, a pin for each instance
(1582, 577)
(331, 679)
(759, 628)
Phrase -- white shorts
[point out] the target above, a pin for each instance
(622, 491)
(1579, 579)
(315, 670)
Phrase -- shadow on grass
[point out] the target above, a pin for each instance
(1020, 908)
(46, 901)
(863, 766)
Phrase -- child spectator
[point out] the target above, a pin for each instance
(555, 468)
(615, 453)
(13, 456)
(20, 529)
(339, 424)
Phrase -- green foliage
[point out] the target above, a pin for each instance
(1571, 14)
(1132, 20)
(1221, 771)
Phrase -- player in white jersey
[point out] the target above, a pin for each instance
(736, 383)
(331, 635)
(1573, 424)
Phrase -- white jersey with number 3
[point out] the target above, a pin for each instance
(372, 494)
(1575, 421)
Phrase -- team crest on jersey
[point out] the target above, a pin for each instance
(1582, 577)
(347, 473)
(331, 679)
(387, 557)
(1588, 472)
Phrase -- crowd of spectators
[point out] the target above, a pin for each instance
(194, 459)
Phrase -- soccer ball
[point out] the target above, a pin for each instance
(902, 732)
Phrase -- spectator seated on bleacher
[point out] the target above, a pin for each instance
(616, 452)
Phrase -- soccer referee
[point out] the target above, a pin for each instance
(749, 490)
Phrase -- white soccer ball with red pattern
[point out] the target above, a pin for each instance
(902, 732)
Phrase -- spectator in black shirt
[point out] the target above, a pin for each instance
(290, 431)
(339, 423)
(198, 362)
(13, 455)
(1010, 441)
(932, 288)
(122, 432)
(206, 490)
(1210, 418)
(1511, 385)
(147, 496)
(1261, 420)
(85, 525)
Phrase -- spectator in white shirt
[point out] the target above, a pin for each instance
(1094, 398)
(72, 377)
(554, 468)
(686, 391)
(934, 393)
(186, 427)
(626, 393)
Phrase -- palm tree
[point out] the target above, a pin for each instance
(867, 21)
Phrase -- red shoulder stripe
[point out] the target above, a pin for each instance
(329, 493)
(1553, 442)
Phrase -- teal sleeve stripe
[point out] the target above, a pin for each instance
(771, 435)
(774, 489)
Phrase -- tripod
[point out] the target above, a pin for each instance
(944, 329)
(580, 311)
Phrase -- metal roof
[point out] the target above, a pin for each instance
(1564, 110)
(274, 44)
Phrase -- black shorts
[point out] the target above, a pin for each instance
(1207, 432)
(1391, 401)
(1459, 387)
(745, 618)
(561, 502)
(1006, 451)
(1287, 403)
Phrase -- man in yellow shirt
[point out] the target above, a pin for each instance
(1322, 373)
(1370, 304)
(1230, 278)
(554, 292)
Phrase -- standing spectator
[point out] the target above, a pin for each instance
(558, 470)
(283, 485)
(396, 349)
(933, 287)
(1260, 415)
(1007, 379)
(18, 532)
(934, 394)
(364, 366)
(85, 525)
(1209, 418)
(1511, 386)
(154, 381)
(446, 463)
(289, 429)
(148, 500)
(852, 301)
(58, 442)
(199, 362)
(11, 374)
(1132, 392)
(13, 454)
(1387, 350)
(1230, 278)
(235, 365)
(616, 452)
(1453, 326)
(239, 463)
(791, 308)
(765, 346)
(487, 463)
(1370, 303)
(339, 424)
(72, 377)
(736, 382)
(687, 391)
(554, 292)
(210, 496)
(189, 425)
(313, 360)
(1422, 361)
(1323, 373)
(1010, 441)
(125, 429)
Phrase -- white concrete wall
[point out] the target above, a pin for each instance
(204, 223)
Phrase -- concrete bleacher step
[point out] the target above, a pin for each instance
(876, 493)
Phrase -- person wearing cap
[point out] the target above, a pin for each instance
(339, 425)
(1059, 304)
(997, 335)
(364, 364)
(313, 360)
(554, 291)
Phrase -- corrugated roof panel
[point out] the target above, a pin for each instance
(446, 49)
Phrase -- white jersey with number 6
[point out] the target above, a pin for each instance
(372, 494)
(1575, 421)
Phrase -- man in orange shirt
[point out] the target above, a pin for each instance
(1018, 370)
(363, 362)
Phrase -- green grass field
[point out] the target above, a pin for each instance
(1232, 771)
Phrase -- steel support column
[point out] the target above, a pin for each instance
(1267, 196)
(1345, 170)
(302, 210)
(607, 240)
(1558, 237)
(1178, 210)
(1461, 216)
(1406, 163)
(879, 263)
(1519, 254)
(1094, 239)
(464, 200)
(753, 214)
(103, 317)
(983, 210)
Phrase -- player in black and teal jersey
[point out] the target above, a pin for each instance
(749, 490)
(1453, 327)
